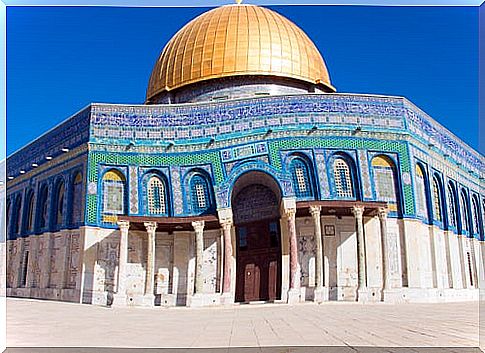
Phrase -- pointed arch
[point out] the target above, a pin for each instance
(29, 212)
(302, 179)
(422, 210)
(17, 215)
(77, 198)
(452, 207)
(385, 181)
(465, 212)
(201, 194)
(476, 222)
(156, 191)
(343, 176)
(437, 199)
(43, 207)
(60, 193)
(114, 195)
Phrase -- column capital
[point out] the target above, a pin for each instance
(198, 225)
(151, 227)
(124, 225)
(225, 217)
(358, 211)
(315, 210)
(289, 212)
(382, 213)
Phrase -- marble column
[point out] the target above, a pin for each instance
(199, 255)
(319, 273)
(294, 294)
(226, 229)
(151, 228)
(358, 212)
(119, 299)
(386, 270)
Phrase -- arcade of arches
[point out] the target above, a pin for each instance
(266, 251)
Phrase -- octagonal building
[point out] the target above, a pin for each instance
(245, 177)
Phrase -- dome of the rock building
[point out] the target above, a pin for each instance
(238, 41)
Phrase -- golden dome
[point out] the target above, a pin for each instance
(237, 40)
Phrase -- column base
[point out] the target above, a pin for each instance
(203, 299)
(119, 300)
(294, 296)
(147, 300)
(395, 295)
(366, 295)
(320, 294)
(227, 299)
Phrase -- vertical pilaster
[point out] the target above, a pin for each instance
(119, 299)
(199, 255)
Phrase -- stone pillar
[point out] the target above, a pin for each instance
(294, 293)
(358, 212)
(226, 285)
(31, 272)
(320, 294)
(225, 219)
(199, 255)
(46, 268)
(149, 297)
(386, 261)
(119, 299)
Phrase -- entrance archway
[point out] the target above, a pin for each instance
(255, 204)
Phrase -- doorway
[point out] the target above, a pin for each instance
(258, 241)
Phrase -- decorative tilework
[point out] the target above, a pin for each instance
(364, 174)
(240, 152)
(133, 177)
(322, 173)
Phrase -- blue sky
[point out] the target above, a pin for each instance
(60, 59)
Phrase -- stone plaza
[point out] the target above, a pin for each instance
(334, 324)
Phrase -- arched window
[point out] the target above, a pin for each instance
(77, 195)
(59, 214)
(475, 216)
(421, 204)
(43, 207)
(302, 182)
(157, 198)
(465, 217)
(29, 221)
(113, 195)
(383, 170)
(452, 211)
(18, 215)
(437, 211)
(343, 178)
(200, 196)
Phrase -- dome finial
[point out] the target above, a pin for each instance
(239, 2)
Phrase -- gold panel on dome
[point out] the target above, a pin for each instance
(237, 40)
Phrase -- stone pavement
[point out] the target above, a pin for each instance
(33, 323)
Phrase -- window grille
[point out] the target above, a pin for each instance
(464, 212)
(343, 180)
(301, 178)
(437, 200)
(156, 196)
(475, 220)
(200, 194)
(451, 206)
(420, 192)
(113, 193)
